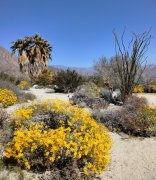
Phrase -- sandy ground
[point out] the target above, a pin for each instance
(151, 98)
(41, 95)
(131, 158)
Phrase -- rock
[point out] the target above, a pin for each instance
(50, 91)
(9, 175)
(124, 136)
(55, 87)
(82, 104)
(116, 95)
(36, 86)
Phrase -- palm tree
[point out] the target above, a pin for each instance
(33, 54)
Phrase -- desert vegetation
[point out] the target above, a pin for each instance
(71, 139)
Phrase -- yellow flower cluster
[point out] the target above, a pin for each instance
(7, 97)
(23, 114)
(23, 85)
(138, 89)
(149, 114)
(27, 140)
(82, 138)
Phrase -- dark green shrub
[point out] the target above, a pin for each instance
(67, 81)
(134, 118)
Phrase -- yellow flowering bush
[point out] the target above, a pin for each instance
(138, 89)
(21, 115)
(58, 133)
(24, 85)
(92, 89)
(45, 78)
(7, 97)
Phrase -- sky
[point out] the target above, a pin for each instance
(80, 31)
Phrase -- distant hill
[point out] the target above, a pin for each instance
(150, 73)
(80, 70)
(8, 62)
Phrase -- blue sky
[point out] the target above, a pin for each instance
(80, 31)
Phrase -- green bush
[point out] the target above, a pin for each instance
(67, 81)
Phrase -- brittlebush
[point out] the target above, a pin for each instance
(138, 89)
(24, 85)
(7, 97)
(76, 136)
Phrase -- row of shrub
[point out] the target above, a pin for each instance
(13, 79)
(55, 135)
(146, 89)
(66, 80)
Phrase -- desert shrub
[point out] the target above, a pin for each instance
(138, 89)
(24, 85)
(92, 89)
(21, 96)
(7, 97)
(29, 96)
(88, 95)
(135, 118)
(45, 78)
(3, 117)
(106, 94)
(153, 88)
(7, 77)
(96, 79)
(54, 134)
(150, 88)
(67, 81)
(13, 79)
